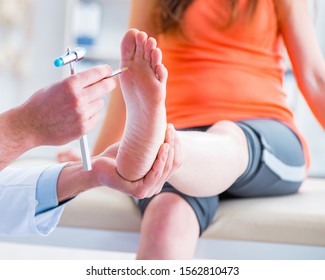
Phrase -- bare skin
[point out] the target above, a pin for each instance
(212, 153)
(309, 67)
(74, 180)
(160, 227)
(144, 91)
(163, 236)
(55, 115)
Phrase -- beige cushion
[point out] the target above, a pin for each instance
(298, 218)
(102, 208)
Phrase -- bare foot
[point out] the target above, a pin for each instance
(144, 90)
(68, 155)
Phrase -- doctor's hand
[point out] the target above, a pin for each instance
(73, 179)
(167, 161)
(67, 109)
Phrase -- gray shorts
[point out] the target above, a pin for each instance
(276, 167)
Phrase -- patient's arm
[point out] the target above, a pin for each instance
(305, 54)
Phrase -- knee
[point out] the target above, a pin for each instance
(168, 214)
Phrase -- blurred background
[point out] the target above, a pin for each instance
(35, 32)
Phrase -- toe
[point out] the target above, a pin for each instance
(128, 45)
(150, 45)
(156, 58)
(141, 40)
(161, 73)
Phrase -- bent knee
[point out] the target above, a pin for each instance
(168, 212)
(169, 204)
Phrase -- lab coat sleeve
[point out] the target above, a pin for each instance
(18, 204)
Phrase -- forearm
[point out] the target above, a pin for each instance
(305, 54)
(15, 136)
(316, 98)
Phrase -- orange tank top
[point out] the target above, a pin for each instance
(225, 73)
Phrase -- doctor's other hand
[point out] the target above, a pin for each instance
(73, 180)
(67, 109)
(168, 160)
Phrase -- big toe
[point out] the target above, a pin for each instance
(128, 45)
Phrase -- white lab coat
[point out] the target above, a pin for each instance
(18, 204)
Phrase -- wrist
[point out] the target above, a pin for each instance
(74, 180)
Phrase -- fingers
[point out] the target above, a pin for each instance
(90, 116)
(171, 163)
(177, 150)
(154, 180)
(98, 90)
(93, 108)
(168, 160)
(93, 75)
(170, 139)
(88, 125)
(90, 100)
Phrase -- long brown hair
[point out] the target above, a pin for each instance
(169, 13)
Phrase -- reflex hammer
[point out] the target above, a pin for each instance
(73, 56)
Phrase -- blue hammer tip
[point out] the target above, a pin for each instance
(58, 62)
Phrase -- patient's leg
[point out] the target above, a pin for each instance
(169, 229)
(144, 90)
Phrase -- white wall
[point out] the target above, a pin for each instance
(320, 23)
(50, 34)
(49, 42)
(47, 24)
